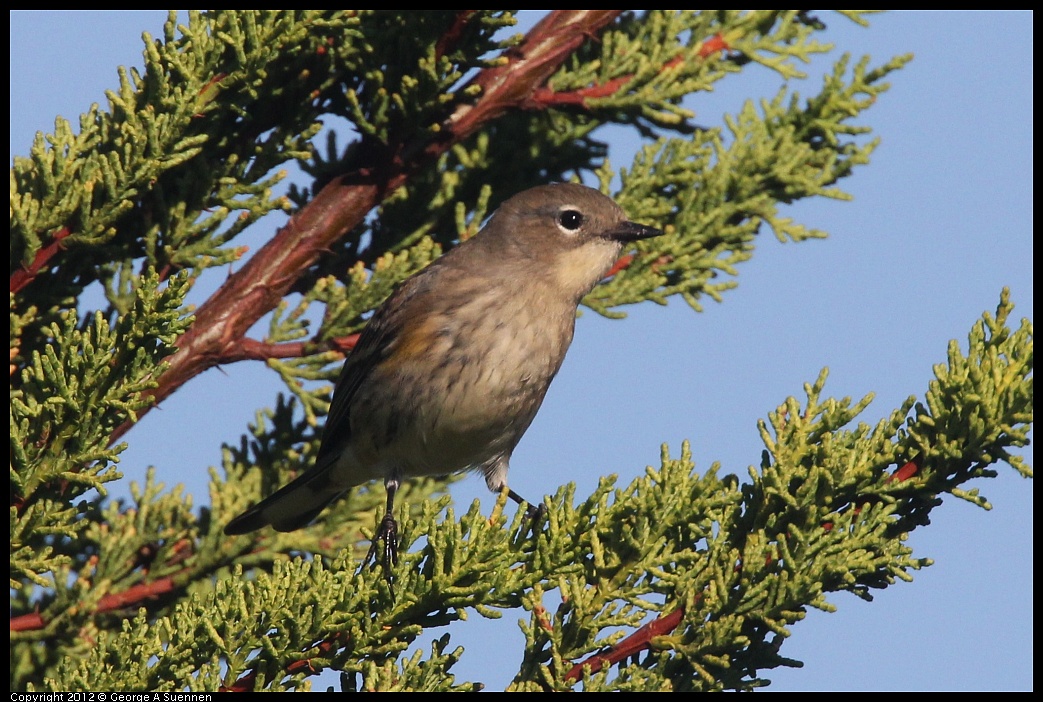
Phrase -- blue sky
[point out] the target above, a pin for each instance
(941, 221)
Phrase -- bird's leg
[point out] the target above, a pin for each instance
(387, 532)
(535, 514)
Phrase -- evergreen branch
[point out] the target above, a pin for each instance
(454, 34)
(513, 83)
(547, 97)
(644, 638)
(253, 350)
(116, 586)
(248, 680)
(737, 564)
(682, 580)
(259, 286)
(636, 643)
(108, 603)
(25, 274)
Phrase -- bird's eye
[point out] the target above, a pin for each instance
(570, 220)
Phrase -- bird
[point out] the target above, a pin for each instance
(451, 369)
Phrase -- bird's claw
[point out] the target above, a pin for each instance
(388, 534)
(535, 515)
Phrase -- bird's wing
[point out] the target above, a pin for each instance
(375, 344)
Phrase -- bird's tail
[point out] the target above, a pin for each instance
(291, 507)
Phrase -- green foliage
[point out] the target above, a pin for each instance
(744, 561)
(784, 153)
(64, 410)
(155, 189)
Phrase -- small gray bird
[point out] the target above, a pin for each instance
(451, 369)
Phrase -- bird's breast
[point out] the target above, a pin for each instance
(462, 384)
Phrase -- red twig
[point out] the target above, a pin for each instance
(27, 622)
(249, 679)
(632, 645)
(622, 263)
(907, 471)
(136, 594)
(545, 97)
(714, 43)
(118, 600)
(904, 473)
(454, 33)
(24, 275)
(253, 350)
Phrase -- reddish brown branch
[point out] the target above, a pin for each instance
(545, 97)
(119, 600)
(136, 594)
(249, 679)
(907, 471)
(27, 622)
(24, 275)
(223, 320)
(454, 33)
(623, 263)
(713, 44)
(253, 350)
(548, 98)
(632, 645)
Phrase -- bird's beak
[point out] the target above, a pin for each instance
(632, 231)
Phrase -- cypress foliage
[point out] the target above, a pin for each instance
(682, 580)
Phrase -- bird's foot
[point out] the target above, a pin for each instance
(388, 534)
(534, 513)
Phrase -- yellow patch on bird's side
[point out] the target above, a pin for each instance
(414, 341)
